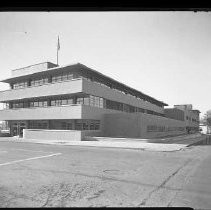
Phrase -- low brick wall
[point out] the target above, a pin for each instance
(60, 135)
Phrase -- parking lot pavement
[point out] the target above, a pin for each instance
(41, 175)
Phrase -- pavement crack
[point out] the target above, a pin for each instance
(162, 185)
(96, 195)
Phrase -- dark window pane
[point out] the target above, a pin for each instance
(45, 103)
(86, 101)
(36, 104)
(70, 101)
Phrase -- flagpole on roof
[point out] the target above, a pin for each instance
(58, 48)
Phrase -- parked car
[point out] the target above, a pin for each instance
(4, 133)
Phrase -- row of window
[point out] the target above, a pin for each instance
(60, 102)
(88, 100)
(30, 104)
(62, 77)
(38, 125)
(38, 82)
(87, 125)
(42, 81)
(155, 128)
(79, 125)
(193, 120)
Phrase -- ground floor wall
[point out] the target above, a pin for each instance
(141, 126)
(100, 122)
(88, 126)
(58, 135)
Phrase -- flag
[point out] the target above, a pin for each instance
(58, 44)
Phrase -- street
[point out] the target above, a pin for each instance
(38, 175)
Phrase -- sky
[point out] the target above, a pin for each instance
(166, 55)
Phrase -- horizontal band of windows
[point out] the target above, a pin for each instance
(77, 125)
(88, 100)
(155, 128)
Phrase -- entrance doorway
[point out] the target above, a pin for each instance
(17, 129)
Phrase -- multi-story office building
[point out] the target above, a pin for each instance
(45, 99)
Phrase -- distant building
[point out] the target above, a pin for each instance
(174, 113)
(73, 101)
(185, 113)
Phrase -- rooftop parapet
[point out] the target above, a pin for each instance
(184, 106)
(33, 69)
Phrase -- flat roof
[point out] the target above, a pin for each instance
(94, 72)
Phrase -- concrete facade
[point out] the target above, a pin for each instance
(141, 125)
(45, 97)
(49, 89)
(60, 135)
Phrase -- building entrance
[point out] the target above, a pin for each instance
(17, 129)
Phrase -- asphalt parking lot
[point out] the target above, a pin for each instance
(39, 175)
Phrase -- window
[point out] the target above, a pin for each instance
(140, 110)
(69, 126)
(5, 105)
(18, 105)
(92, 126)
(79, 101)
(101, 105)
(60, 102)
(97, 101)
(69, 76)
(20, 85)
(62, 77)
(64, 125)
(38, 125)
(126, 108)
(37, 82)
(64, 101)
(36, 104)
(151, 128)
(97, 125)
(86, 101)
(150, 112)
(53, 103)
(45, 103)
(57, 78)
(70, 101)
(91, 100)
(131, 109)
(78, 126)
(40, 103)
(85, 126)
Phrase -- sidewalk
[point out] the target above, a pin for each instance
(124, 143)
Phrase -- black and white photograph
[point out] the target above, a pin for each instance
(105, 109)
